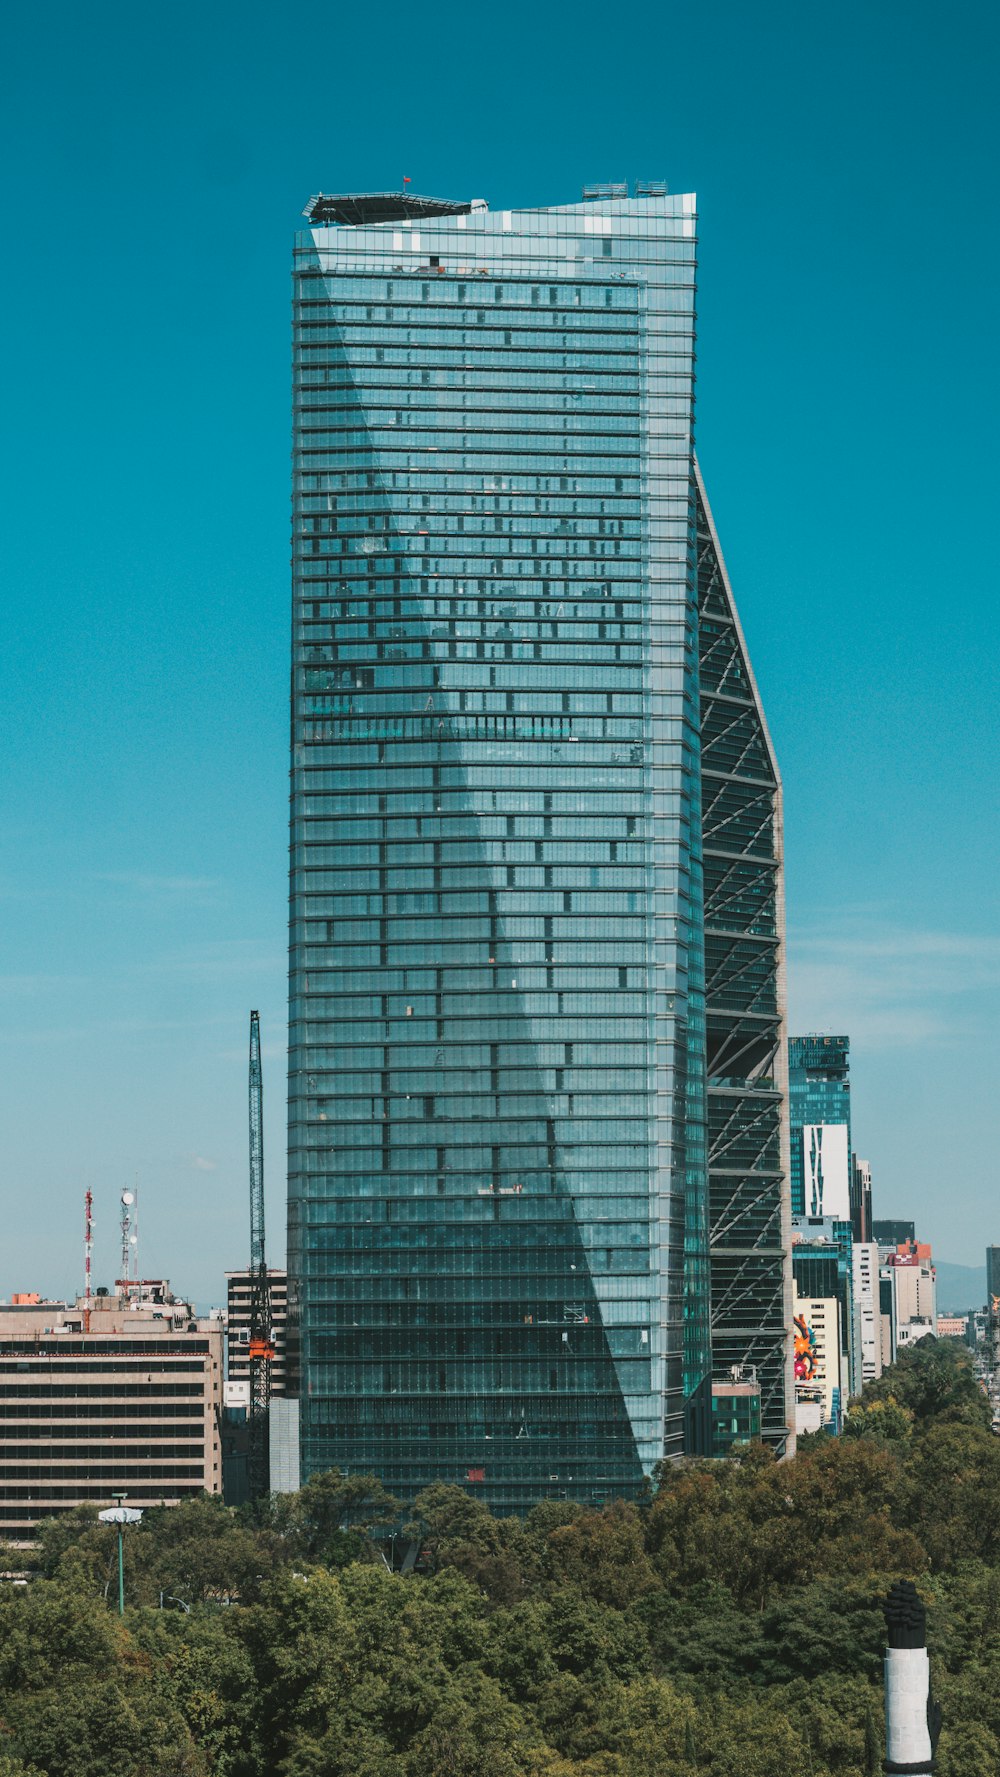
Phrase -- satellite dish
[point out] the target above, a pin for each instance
(127, 1197)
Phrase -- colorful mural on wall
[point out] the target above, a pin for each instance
(806, 1352)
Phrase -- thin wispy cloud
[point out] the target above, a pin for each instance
(145, 883)
(219, 958)
(269, 1051)
(889, 986)
(199, 1163)
(33, 986)
(107, 1027)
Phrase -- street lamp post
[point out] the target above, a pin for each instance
(120, 1514)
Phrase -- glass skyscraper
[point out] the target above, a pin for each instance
(819, 1085)
(507, 1266)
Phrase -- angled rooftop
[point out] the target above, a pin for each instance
(356, 208)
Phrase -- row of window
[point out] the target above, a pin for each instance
(592, 601)
(355, 294)
(470, 1197)
(526, 1066)
(387, 842)
(453, 1294)
(451, 1317)
(477, 1264)
(114, 1447)
(355, 1376)
(521, 1180)
(489, 524)
(337, 917)
(313, 464)
(411, 1071)
(570, 806)
(527, 1343)
(17, 1407)
(455, 395)
(136, 1347)
(36, 1381)
(52, 1486)
(320, 372)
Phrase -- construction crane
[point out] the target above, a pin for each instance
(261, 1336)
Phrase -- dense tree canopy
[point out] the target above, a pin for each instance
(730, 1626)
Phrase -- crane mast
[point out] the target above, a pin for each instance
(261, 1338)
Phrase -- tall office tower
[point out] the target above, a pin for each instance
(992, 1274)
(861, 1199)
(500, 1236)
(819, 1095)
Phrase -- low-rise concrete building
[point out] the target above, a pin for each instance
(121, 1395)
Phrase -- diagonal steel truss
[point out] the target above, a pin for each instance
(744, 970)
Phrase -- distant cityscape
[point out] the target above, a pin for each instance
(129, 1390)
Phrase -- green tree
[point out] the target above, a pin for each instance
(333, 1515)
(968, 1749)
(192, 1551)
(952, 1493)
(932, 1378)
(603, 1554)
(882, 1420)
(502, 1556)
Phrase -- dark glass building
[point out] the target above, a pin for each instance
(861, 1199)
(532, 796)
(893, 1233)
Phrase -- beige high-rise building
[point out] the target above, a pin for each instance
(125, 1398)
(238, 1328)
(864, 1259)
(908, 1298)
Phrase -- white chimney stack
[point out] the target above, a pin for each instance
(912, 1721)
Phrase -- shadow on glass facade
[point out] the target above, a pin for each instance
(498, 1212)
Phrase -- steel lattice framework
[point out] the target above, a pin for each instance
(745, 1004)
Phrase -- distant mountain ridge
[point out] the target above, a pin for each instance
(959, 1287)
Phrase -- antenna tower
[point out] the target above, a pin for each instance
(88, 1248)
(261, 1337)
(127, 1285)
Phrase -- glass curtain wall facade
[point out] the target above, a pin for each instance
(498, 1212)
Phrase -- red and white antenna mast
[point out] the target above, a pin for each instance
(88, 1248)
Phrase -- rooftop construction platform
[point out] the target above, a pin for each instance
(358, 208)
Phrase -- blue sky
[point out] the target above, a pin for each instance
(152, 174)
